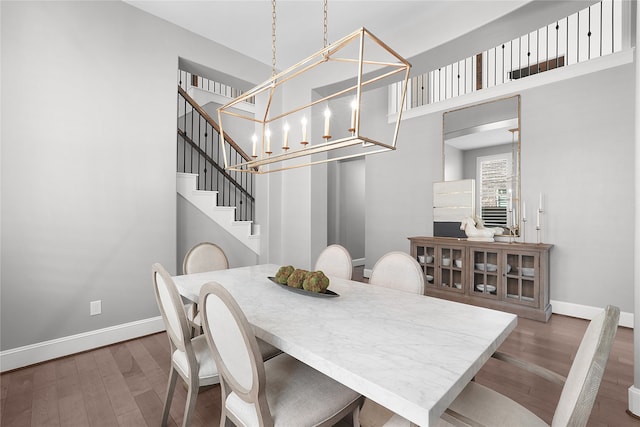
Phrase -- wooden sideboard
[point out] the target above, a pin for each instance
(512, 277)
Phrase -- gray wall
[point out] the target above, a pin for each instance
(399, 190)
(88, 161)
(346, 205)
(195, 227)
(577, 145)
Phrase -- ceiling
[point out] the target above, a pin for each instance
(408, 27)
(484, 138)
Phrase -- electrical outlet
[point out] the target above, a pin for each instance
(95, 307)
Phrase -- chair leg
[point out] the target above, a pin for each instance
(356, 416)
(226, 422)
(191, 314)
(173, 377)
(192, 398)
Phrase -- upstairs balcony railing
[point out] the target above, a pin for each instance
(200, 152)
(590, 33)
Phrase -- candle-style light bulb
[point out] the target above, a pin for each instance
(254, 139)
(267, 134)
(524, 210)
(354, 111)
(285, 143)
(327, 117)
(304, 130)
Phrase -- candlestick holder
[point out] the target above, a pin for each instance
(304, 142)
(538, 225)
(512, 227)
(327, 137)
(285, 147)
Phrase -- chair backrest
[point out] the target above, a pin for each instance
(172, 310)
(235, 349)
(335, 261)
(398, 270)
(580, 389)
(204, 256)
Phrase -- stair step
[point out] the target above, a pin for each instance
(205, 193)
(206, 201)
(226, 208)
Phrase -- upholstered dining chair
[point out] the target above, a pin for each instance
(398, 270)
(280, 392)
(208, 256)
(191, 358)
(335, 260)
(204, 256)
(479, 405)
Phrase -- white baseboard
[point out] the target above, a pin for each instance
(587, 312)
(35, 353)
(358, 261)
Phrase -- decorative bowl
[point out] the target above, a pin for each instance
(458, 263)
(446, 262)
(326, 294)
(429, 278)
(489, 288)
(428, 259)
(486, 267)
(527, 271)
(457, 285)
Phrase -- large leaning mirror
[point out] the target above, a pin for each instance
(481, 142)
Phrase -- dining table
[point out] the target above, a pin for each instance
(412, 354)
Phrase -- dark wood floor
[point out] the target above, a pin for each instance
(124, 384)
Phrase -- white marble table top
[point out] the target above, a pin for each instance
(412, 354)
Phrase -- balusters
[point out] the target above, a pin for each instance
(193, 136)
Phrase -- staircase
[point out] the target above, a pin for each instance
(206, 201)
(226, 197)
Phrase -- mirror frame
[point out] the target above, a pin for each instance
(515, 230)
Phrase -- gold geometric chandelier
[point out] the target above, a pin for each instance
(329, 127)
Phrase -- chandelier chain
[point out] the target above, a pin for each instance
(273, 37)
(325, 23)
